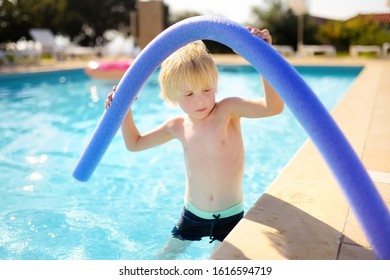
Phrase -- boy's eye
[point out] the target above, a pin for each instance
(206, 90)
(187, 94)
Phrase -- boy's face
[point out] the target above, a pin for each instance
(197, 103)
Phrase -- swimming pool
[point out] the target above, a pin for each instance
(127, 209)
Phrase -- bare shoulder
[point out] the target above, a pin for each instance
(231, 101)
(229, 105)
(247, 108)
(178, 120)
(174, 124)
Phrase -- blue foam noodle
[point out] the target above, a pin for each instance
(354, 180)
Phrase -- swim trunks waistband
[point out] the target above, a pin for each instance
(234, 210)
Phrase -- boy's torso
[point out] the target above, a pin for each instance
(214, 157)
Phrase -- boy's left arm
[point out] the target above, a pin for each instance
(271, 104)
(272, 101)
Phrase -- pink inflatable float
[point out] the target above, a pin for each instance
(108, 70)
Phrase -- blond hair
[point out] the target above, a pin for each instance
(191, 65)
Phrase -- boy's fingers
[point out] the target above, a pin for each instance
(109, 98)
(264, 33)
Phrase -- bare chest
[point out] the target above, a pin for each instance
(214, 138)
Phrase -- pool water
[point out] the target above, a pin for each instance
(133, 200)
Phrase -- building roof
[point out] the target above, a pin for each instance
(380, 18)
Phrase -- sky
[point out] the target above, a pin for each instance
(240, 10)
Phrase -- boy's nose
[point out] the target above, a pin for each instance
(199, 99)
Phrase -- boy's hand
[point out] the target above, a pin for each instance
(264, 34)
(110, 96)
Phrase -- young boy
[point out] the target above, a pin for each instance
(210, 134)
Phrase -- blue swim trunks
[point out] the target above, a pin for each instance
(195, 224)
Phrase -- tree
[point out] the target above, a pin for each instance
(82, 19)
(283, 23)
(89, 19)
(174, 18)
(212, 46)
(356, 31)
(16, 17)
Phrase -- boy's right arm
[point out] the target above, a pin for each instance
(134, 141)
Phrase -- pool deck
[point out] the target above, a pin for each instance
(303, 214)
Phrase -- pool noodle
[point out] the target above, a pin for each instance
(352, 177)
